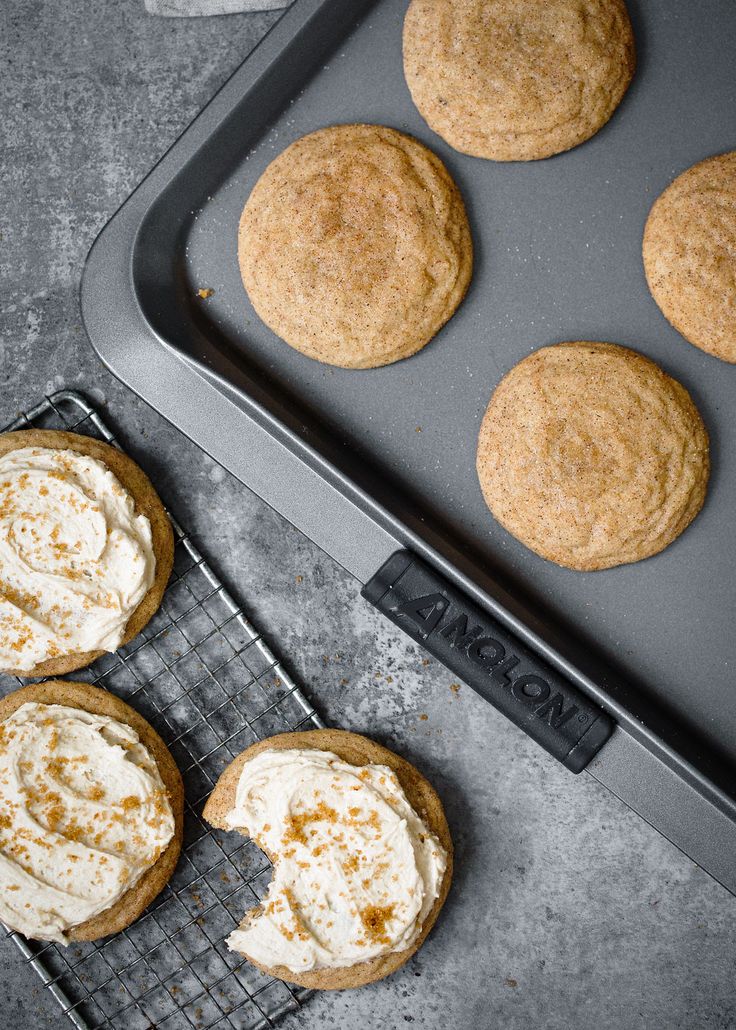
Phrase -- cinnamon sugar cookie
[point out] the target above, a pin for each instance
(86, 551)
(93, 812)
(327, 800)
(517, 80)
(592, 456)
(354, 246)
(689, 255)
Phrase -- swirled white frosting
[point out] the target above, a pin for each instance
(356, 870)
(75, 559)
(83, 814)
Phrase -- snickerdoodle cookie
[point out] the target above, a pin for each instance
(690, 255)
(361, 849)
(92, 812)
(354, 245)
(517, 80)
(86, 551)
(592, 456)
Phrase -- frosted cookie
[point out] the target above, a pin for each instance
(517, 80)
(592, 456)
(690, 255)
(361, 849)
(86, 551)
(91, 809)
(354, 246)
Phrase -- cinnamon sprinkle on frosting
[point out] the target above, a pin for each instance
(83, 814)
(75, 558)
(356, 870)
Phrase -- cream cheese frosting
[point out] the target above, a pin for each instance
(83, 814)
(356, 870)
(75, 559)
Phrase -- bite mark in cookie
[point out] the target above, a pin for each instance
(361, 851)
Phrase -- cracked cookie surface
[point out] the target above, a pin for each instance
(517, 80)
(354, 246)
(592, 456)
(689, 255)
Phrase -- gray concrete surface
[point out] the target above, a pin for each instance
(567, 911)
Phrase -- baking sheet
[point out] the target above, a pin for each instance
(557, 257)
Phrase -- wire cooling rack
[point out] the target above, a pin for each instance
(206, 680)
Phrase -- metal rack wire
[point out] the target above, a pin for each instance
(206, 680)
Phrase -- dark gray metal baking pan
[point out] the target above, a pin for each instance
(338, 452)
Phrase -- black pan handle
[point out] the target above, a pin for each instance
(477, 648)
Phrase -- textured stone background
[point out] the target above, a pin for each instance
(567, 911)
